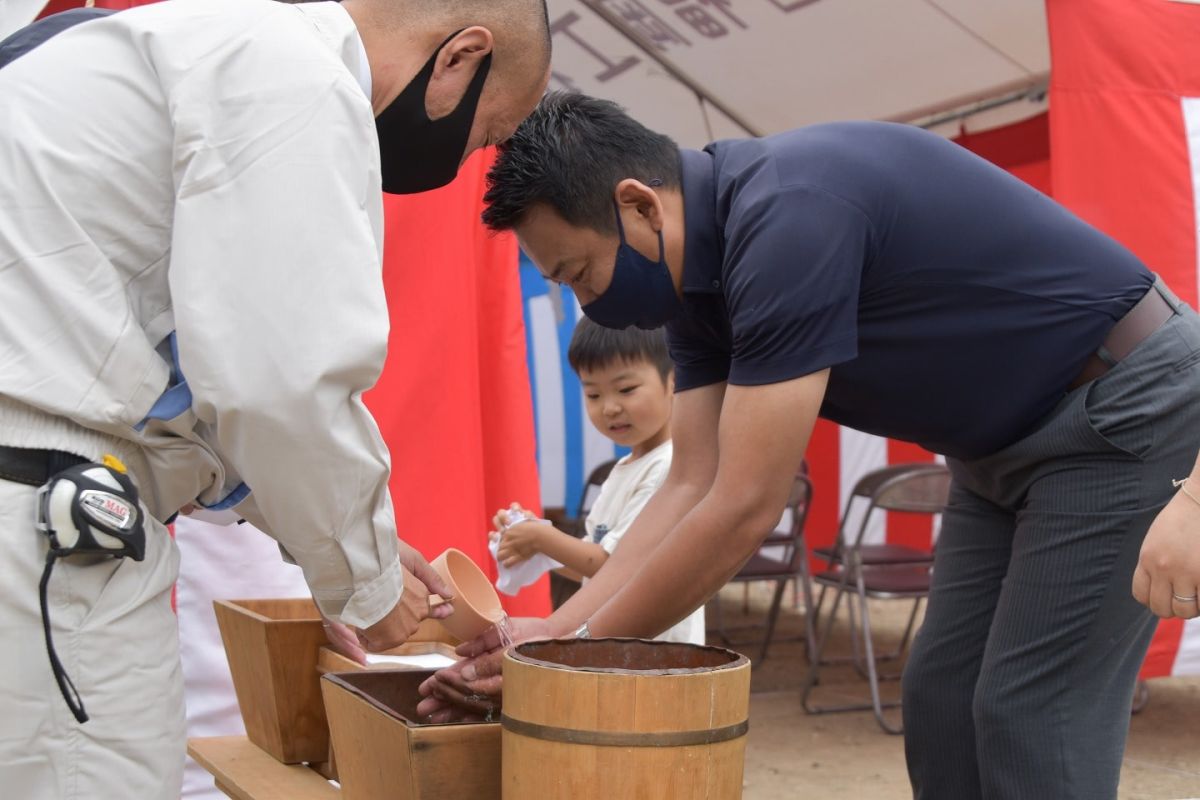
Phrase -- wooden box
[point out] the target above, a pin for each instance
(272, 647)
(384, 753)
(276, 654)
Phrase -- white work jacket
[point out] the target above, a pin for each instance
(191, 236)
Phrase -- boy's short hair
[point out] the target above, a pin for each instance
(596, 347)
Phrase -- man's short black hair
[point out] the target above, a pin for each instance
(570, 154)
(596, 347)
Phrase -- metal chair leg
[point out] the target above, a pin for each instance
(873, 677)
(811, 614)
(909, 629)
(815, 662)
(772, 617)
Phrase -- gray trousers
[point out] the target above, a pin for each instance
(1020, 680)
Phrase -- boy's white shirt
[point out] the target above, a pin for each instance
(629, 486)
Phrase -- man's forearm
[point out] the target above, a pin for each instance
(695, 560)
(662, 512)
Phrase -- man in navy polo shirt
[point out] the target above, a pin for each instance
(884, 278)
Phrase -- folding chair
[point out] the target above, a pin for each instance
(791, 565)
(860, 571)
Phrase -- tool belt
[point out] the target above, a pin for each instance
(34, 467)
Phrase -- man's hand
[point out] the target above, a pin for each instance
(344, 640)
(1169, 566)
(521, 542)
(473, 688)
(420, 580)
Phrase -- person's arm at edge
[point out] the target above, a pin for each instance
(1169, 562)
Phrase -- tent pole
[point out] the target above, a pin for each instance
(1034, 93)
(674, 70)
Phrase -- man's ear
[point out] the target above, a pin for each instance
(632, 193)
(456, 64)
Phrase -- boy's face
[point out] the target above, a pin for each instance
(630, 403)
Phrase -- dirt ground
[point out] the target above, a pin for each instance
(792, 755)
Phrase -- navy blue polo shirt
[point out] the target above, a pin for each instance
(953, 302)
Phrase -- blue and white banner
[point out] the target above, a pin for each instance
(568, 446)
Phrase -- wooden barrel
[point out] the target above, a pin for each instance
(623, 718)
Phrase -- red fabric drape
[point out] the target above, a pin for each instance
(454, 401)
(1022, 148)
(55, 6)
(1121, 69)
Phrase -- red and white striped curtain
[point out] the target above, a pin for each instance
(1125, 139)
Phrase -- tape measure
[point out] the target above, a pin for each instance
(86, 509)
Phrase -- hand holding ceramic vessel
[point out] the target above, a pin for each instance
(420, 580)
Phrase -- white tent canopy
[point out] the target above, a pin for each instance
(708, 69)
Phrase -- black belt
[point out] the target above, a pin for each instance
(34, 467)
(1146, 316)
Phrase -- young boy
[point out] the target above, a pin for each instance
(628, 386)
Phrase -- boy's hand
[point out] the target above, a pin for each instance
(521, 542)
(500, 520)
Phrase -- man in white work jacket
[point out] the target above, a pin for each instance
(190, 271)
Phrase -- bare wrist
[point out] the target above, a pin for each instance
(559, 628)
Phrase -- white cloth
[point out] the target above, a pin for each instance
(511, 580)
(219, 563)
(116, 636)
(208, 167)
(629, 486)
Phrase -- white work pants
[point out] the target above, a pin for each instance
(116, 635)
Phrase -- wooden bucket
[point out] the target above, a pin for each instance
(605, 718)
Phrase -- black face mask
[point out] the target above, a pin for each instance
(417, 153)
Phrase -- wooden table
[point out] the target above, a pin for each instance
(244, 772)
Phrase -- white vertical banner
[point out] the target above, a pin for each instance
(1191, 132)
(1187, 660)
(551, 435)
(860, 453)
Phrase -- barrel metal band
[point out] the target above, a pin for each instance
(551, 733)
